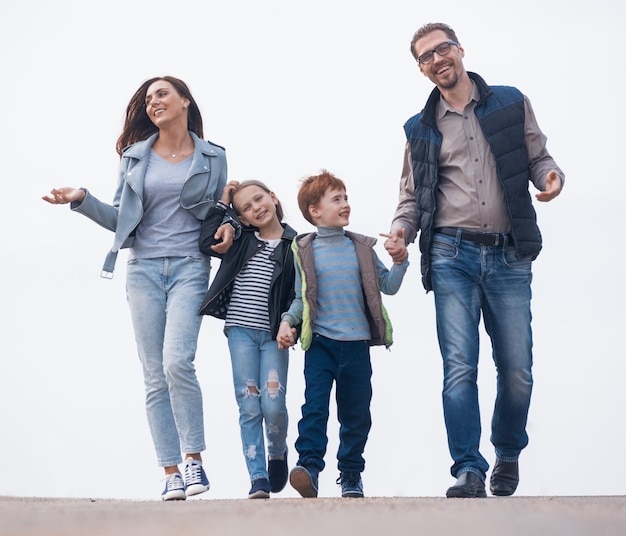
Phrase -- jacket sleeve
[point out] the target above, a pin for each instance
(294, 314)
(217, 215)
(406, 215)
(103, 214)
(389, 280)
(541, 162)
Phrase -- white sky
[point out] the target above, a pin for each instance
(289, 90)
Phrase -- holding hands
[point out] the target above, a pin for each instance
(225, 233)
(396, 245)
(286, 336)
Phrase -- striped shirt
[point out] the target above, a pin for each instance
(340, 302)
(248, 306)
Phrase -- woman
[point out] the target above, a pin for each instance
(169, 178)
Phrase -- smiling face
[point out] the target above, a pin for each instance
(256, 207)
(333, 209)
(164, 104)
(444, 71)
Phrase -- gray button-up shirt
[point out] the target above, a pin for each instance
(469, 194)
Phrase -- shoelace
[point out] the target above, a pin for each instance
(349, 479)
(193, 473)
(174, 481)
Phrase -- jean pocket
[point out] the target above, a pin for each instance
(510, 258)
(200, 259)
(443, 250)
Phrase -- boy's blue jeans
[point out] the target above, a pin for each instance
(347, 363)
(469, 279)
(260, 381)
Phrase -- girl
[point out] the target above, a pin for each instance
(252, 288)
(169, 178)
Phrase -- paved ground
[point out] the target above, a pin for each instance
(554, 516)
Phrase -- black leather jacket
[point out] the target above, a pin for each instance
(245, 247)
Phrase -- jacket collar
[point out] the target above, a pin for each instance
(142, 148)
(305, 239)
(430, 110)
(288, 232)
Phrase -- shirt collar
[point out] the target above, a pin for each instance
(443, 107)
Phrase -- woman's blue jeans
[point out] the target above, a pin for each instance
(165, 295)
(348, 364)
(260, 381)
(468, 280)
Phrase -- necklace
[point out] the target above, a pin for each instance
(182, 151)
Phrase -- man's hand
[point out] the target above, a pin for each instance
(553, 188)
(396, 245)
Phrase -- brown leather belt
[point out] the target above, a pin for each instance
(481, 239)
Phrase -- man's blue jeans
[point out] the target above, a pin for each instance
(260, 380)
(348, 364)
(164, 295)
(468, 280)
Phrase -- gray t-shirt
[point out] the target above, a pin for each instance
(166, 229)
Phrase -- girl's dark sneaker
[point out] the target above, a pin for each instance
(278, 473)
(260, 489)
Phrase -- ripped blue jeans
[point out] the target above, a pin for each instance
(260, 381)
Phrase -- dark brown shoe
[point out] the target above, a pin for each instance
(468, 485)
(504, 478)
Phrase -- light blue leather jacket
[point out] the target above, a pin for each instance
(202, 189)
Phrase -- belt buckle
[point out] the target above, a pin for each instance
(497, 240)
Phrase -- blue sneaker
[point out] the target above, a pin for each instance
(174, 488)
(278, 474)
(260, 489)
(351, 485)
(304, 481)
(196, 480)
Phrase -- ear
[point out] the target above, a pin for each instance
(186, 103)
(243, 220)
(274, 198)
(461, 50)
(313, 211)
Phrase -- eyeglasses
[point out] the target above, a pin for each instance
(441, 50)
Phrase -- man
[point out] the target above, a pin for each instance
(469, 157)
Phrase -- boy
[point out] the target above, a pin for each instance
(339, 279)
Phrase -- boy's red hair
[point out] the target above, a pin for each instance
(313, 189)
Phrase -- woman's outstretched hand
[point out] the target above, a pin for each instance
(62, 196)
